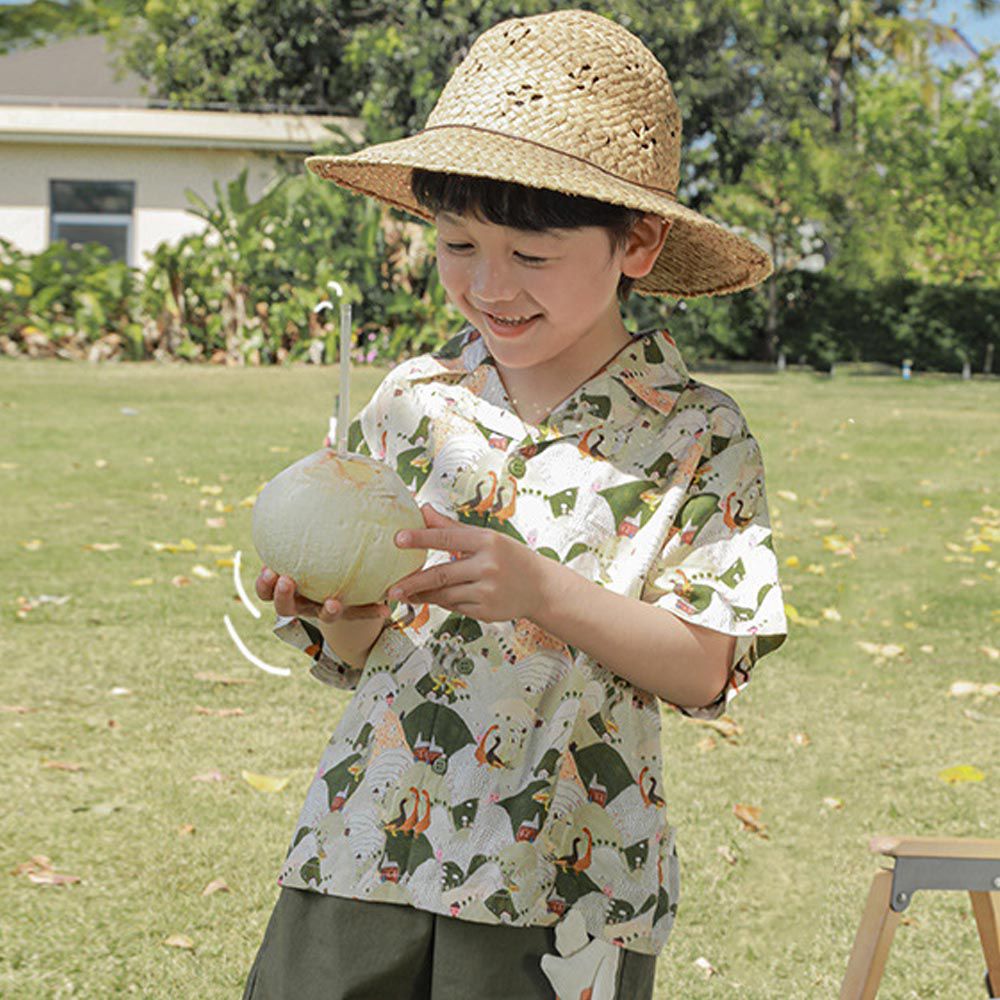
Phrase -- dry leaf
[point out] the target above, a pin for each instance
(222, 678)
(705, 744)
(279, 447)
(202, 571)
(209, 776)
(179, 941)
(213, 490)
(832, 615)
(263, 782)
(180, 581)
(799, 739)
(142, 581)
(792, 562)
(33, 545)
(217, 549)
(221, 712)
(727, 855)
(960, 773)
(787, 495)
(17, 709)
(749, 816)
(101, 463)
(724, 725)
(62, 765)
(991, 652)
(215, 522)
(102, 547)
(39, 870)
(706, 966)
(119, 691)
(184, 545)
(185, 829)
(832, 803)
(216, 885)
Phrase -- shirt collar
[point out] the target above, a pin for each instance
(647, 374)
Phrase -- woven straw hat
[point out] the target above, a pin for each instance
(568, 101)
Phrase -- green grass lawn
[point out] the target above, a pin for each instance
(903, 473)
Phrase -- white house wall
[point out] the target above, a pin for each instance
(161, 175)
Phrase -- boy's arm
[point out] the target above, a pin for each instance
(352, 640)
(651, 647)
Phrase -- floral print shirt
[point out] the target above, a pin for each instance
(492, 771)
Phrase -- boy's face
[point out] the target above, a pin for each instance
(564, 281)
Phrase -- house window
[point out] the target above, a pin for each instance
(93, 212)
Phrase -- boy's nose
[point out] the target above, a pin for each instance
(492, 285)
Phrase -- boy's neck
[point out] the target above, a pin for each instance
(535, 392)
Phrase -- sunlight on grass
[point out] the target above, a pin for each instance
(129, 716)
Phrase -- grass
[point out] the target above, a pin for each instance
(903, 471)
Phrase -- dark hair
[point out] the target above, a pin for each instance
(505, 203)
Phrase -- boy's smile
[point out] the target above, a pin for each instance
(562, 283)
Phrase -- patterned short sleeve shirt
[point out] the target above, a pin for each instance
(491, 771)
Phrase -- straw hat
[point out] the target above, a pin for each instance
(573, 102)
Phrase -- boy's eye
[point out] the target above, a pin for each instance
(460, 247)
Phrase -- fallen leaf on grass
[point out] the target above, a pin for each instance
(17, 709)
(179, 941)
(960, 689)
(221, 678)
(215, 522)
(881, 650)
(799, 739)
(184, 545)
(749, 816)
(217, 549)
(263, 782)
(120, 692)
(203, 572)
(27, 604)
(213, 490)
(101, 463)
(706, 966)
(724, 726)
(961, 772)
(101, 547)
(142, 581)
(32, 545)
(62, 765)
(185, 829)
(705, 744)
(993, 654)
(39, 870)
(838, 545)
(832, 803)
(220, 712)
(209, 776)
(216, 885)
(727, 855)
(788, 495)
(181, 581)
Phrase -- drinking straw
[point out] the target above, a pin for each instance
(343, 412)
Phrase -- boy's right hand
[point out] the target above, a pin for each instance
(288, 602)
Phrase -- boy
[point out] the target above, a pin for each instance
(598, 535)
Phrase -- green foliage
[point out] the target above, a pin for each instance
(65, 297)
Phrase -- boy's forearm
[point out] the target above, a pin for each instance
(649, 646)
(352, 640)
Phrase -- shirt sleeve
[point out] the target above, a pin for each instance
(717, 567)
(304, 633)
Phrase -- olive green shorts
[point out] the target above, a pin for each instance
(320, 947)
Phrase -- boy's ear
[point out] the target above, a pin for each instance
(644, 245)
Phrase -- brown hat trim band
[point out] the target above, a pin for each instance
(550, 149)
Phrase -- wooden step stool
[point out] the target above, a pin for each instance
(925, 863)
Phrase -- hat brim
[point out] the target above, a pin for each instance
(699, 256)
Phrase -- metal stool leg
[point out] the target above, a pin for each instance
(872, 942)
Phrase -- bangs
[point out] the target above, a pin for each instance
(504, 203)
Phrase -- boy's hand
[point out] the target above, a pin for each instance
(290, 603)
(491, 577)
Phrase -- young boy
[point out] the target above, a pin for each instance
(598, 538)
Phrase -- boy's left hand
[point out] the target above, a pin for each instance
(493, 577)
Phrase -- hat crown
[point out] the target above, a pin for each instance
(577, 83)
